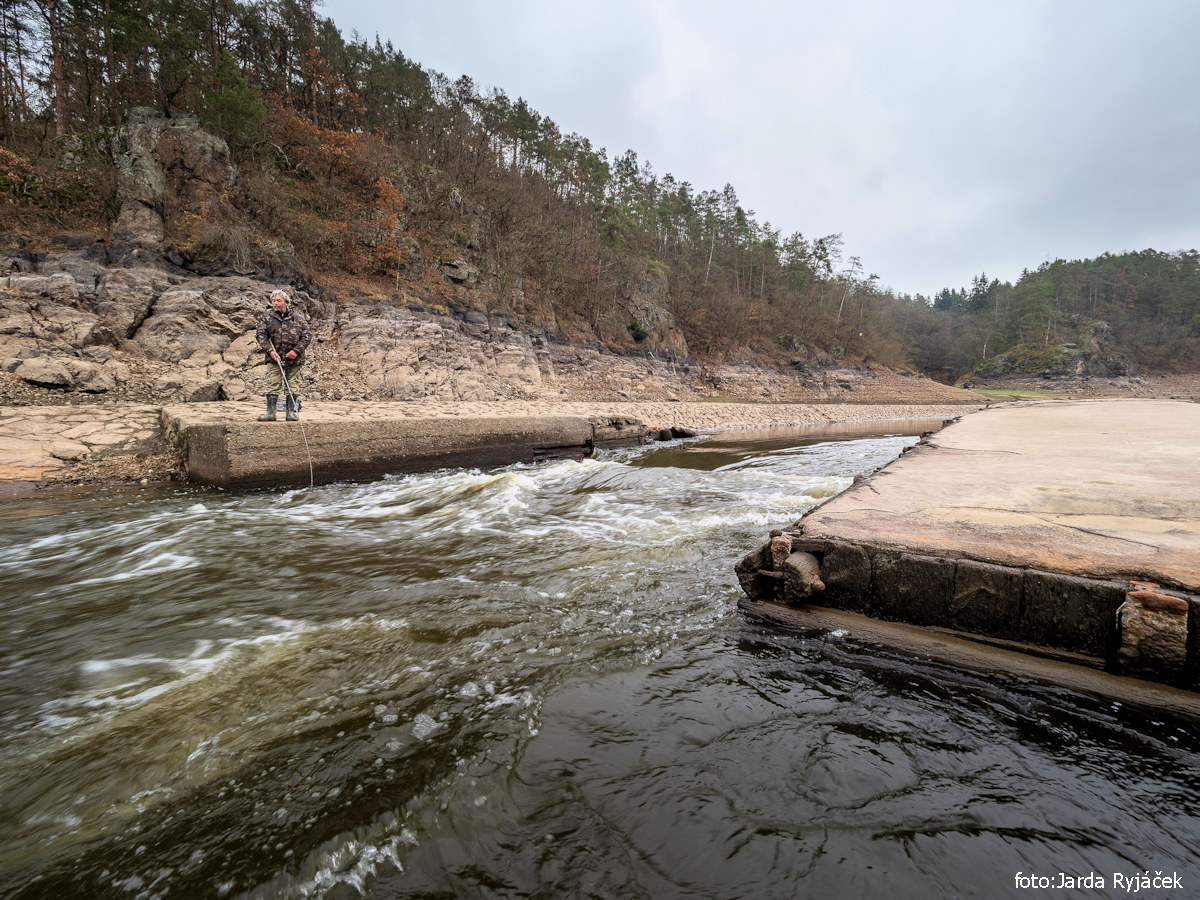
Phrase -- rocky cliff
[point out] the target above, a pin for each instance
(141, 314)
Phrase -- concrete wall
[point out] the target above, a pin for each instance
(1124, 626)
(251, 455)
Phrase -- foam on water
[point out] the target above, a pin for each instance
(164, 562)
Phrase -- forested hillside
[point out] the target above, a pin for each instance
(1110, 315)
(367, 172)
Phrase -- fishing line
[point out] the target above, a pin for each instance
(296, 407)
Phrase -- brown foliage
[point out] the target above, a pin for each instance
(328, 192)
(41, 195)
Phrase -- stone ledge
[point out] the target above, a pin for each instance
(1127, 627)
(253, 455)
(1071, 527)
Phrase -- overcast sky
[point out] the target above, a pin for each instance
(940, 139)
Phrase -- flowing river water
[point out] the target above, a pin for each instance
(531, 681)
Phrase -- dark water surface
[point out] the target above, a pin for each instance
(525, 682)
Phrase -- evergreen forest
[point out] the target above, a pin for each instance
(368, 172)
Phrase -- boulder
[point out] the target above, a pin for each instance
(40, 313)
(801, 577)
(198, 169)
(201, 389)
(70, 373)
(516, 365)
(460, 271)
(119, 371)
(85, 270)
(90, 377)
(74, 328)
(182, 324)
(45, 372)
(205, 315)
(243, 352)
(1153, 634)
(381, 344)
(238, 386)
(169, 383)
(140, 178)
(68, 451)
(59, 287)
(16, 316)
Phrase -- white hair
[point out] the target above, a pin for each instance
(282, 294)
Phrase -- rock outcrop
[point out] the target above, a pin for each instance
(73, 321)
(140, 315)
(78, 323)
(172, 176)
(405, 354)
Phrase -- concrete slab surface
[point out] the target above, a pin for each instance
(1098, 489)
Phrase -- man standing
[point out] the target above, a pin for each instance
(284, 336)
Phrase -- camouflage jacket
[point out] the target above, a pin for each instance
(287, 332)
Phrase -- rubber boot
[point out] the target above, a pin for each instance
(291, 405)
(269, 415)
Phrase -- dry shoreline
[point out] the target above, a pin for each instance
(116, 443)
(702, 416)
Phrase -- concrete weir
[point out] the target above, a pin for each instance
(243, 454)
(1069, 530)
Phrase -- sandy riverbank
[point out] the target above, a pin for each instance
(127, 442)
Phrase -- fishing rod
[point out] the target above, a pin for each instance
(295, 406)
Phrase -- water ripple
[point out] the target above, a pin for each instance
(527, 681)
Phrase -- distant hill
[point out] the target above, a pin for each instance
(1113, 316)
